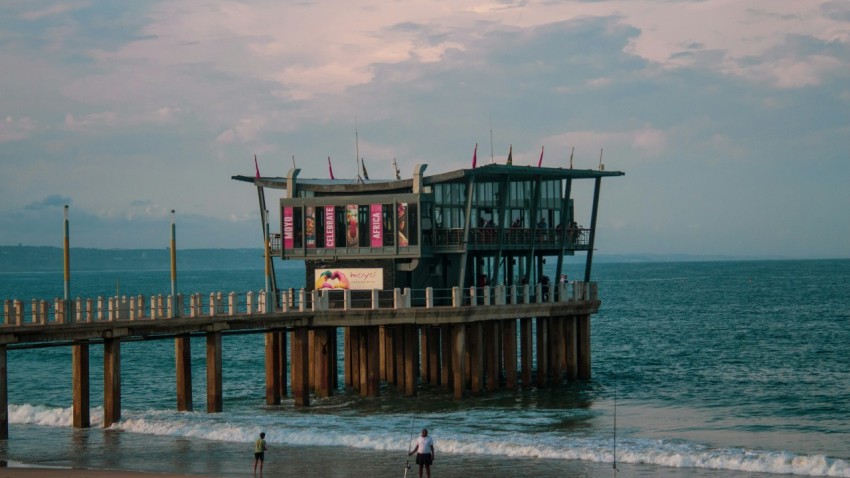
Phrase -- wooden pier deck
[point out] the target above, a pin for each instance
(466, 341)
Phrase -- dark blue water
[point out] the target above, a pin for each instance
(709, 368)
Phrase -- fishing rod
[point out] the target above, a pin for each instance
(615, 427)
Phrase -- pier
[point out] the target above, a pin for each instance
(430, 281)
(480, 341)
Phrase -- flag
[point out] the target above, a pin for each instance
(397, 172)
(511, 155)
(330, 168)
(540, 161)
(475, 156)
(571, 156)
(256, 167)
(363, 165)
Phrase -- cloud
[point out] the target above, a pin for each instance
(16, 129)
(49, 202)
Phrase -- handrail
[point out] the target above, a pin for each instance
(218, 304)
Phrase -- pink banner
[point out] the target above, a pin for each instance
(330, 227)
(352, 230)
(376, 225)
(288, 230)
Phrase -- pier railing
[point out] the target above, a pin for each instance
(129, 308)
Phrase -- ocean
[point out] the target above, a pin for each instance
(720, 369)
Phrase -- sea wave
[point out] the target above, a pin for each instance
(382, 433)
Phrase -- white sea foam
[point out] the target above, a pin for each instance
(392, 433)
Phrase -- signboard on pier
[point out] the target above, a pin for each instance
(330, 227)
(288, 228)
(351, 279)
(376, 225)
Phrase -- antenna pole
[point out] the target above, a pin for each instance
(293, 161)
(356, 150)
(492, 160)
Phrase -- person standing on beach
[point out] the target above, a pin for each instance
(260, 452)
(425, 456)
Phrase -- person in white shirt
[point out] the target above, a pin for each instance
(424, 450)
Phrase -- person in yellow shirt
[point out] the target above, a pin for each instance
(260, 452)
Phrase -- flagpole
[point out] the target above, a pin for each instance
(174, 312)
(492, 159)
(67, 268)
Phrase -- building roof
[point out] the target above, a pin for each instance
(487, 173)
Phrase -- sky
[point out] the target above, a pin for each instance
(730, 119)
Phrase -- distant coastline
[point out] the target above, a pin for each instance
(49, 259)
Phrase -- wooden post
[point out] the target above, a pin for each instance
(382, 345)
(542, 351)
(446, 372)
(322, 362)
(398, 346)
(4, 393)
(373, 381)
(300, 366)
(571, 347)
(363, 360)
(111, 381)
(509, 341)
(526, 350)
(272, 349)
(584, 347)
(556, 346)
(425, 360)
(389, 354)
(214, 390)
(493, 367)
(458, 354)
(434, 355)
(80, 384)
(347, 374)
(183, 355)
(411, 358)
(476, 357)
(355, 358)
(281, 361)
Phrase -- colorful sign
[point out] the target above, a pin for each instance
(310, 227)
(330, 227)
(351, 279)
(288, 228)
(352, 229)
(376, 225)
(402, 225)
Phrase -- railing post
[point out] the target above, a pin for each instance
(249, 302)
(406, 296)
(314, 295)
(19, 312)
(513, 294)
(232, 303)
(376, 299)
(35, 311)
(212, 307)
(302, 302)
(111, 316)
(525, 294)
(346, 299)
(429, 297)
(456, 298)
(78, 310)
(486, 295)
(7, 309)
(132, 308)
(538, 293)
(473, 300)
(397, 298)
(284, 300)
(500, 294)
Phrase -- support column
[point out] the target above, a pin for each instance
(363, 360)
(80, 384)
(389, 355)
(373, 368)
(111, 381)
(300, 366)
(4, 393)
(424, 360)
(526, 350)
(183, 356)
(458, 354)
(493, 368)
(272, 350)
(322, 374)
(355, 358)
(281, 361)
(571, 334)
(542, 351)
(382, 345)
(347, 353)
(509, 347)
(584, 347)
(434, 355)
(398, 346)
(446, 372)
(476, 357)
(411, 359)
(556, 348)
(214, 391)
